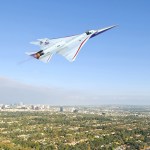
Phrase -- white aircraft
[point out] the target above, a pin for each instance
(68, 47)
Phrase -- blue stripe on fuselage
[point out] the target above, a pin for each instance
(97, 33)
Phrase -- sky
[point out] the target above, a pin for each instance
(112, 68)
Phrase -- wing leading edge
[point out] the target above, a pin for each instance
(71, 51)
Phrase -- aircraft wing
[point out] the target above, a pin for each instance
(71, 51)
(45, 43)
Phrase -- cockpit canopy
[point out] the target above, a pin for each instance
(89, 32)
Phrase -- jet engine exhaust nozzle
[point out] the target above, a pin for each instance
(38, 54)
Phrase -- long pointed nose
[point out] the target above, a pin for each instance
(105, 29)
(102, 30)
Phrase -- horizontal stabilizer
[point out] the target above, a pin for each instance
(30, 53)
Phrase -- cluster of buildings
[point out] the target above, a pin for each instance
(105, 110)
(33, 107)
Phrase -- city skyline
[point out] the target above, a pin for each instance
(111, 69)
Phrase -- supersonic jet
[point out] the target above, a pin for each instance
(68, 47)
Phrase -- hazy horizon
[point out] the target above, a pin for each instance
(13, 91)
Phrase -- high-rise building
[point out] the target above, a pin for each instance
(61, 109)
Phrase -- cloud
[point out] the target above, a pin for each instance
(12, 91)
